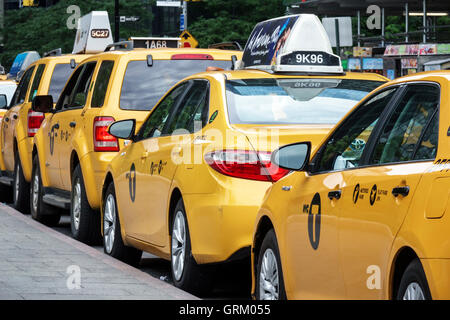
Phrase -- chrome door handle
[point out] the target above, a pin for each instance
(334, 194)
(404, 191)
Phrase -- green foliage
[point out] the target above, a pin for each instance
(45, 29)
(213, 21)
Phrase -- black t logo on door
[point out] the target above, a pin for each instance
(356, 193)
(132, 182)
(314, 217)
(373, 194)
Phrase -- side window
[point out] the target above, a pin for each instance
(192, 112)
(101, 84)
(154, 125)
(61, 72)
(345, 147)
(64, 98)
(22, 88)
(78, 88)
(36, 82)
(408, 125)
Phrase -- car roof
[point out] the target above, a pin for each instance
(64, 58)
(260, 74)
(167, 53)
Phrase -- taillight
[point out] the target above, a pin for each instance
(34, 122)
(103, 141)
(245, 164)
(192, 56)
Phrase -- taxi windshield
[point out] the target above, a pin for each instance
(294, 101)
(143, 86)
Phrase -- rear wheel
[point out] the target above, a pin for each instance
(414, 285)
(269, 275)
(84, 222)
(186, 273)
(112, 237)
(39, 210)
(21, 189)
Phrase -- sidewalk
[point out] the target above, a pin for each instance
(37, 262)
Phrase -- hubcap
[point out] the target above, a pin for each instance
(268, 277)
(35, 193)
(76, 204)
(178, 245)
(414, 292)
(16, 184)
(109, 223)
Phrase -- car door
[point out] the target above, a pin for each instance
(312, 226)
(51, 130)
(72, 113)
(162, 165)
(379, 193)
(11, 116)
(133, 183)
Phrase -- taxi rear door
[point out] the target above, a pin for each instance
(9, 122)
(379, 193)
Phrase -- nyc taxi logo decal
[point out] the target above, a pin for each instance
(356, 193)
(52, 134)
(131, 176)
(314, 219)
(373, 194)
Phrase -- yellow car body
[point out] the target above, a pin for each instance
(67, 138)
(358, 231)
(16, 138)
(148, 182)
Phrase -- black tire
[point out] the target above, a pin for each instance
(39, 210)
(270, 242)
(86, 226)
(194, 278)
(21, 189)
(118, 249)
(414, 274)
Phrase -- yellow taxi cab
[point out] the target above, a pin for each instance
(364, 216)
(44, 76)
(189, 185)
(7, 89)
(73, 147)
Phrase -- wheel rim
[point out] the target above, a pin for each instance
(16, 184)
(109, 222)
(35, 193)
(414, 292)
(268, 277)
(178, 245)
(76, 204)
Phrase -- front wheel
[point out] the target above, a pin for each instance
(186, 273)
(112, 238)
(21, 189)
(269, 275)
(84, 222)
(414, 285)
(39, 210)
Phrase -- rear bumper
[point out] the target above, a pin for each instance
(221, 224)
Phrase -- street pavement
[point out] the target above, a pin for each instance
(37, 262)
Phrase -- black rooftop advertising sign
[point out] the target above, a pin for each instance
(267, 40)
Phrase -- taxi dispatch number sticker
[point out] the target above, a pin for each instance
(132, 182)
(314, 217)
(99, 33)
(310, 58)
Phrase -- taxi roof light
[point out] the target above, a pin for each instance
(296, 43)
(93, 33)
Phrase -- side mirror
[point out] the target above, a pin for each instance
(42, 104)
(3, 101)
(123, 129)
(293, 157)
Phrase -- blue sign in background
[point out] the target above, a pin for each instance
(17, 64)
(182, 27)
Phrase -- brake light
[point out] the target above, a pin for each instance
(34, 122)
(245, 164)
(192, 56)
(103, 141)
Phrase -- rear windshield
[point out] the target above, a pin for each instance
(293, 101)
(60, 75)
(143, 86)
